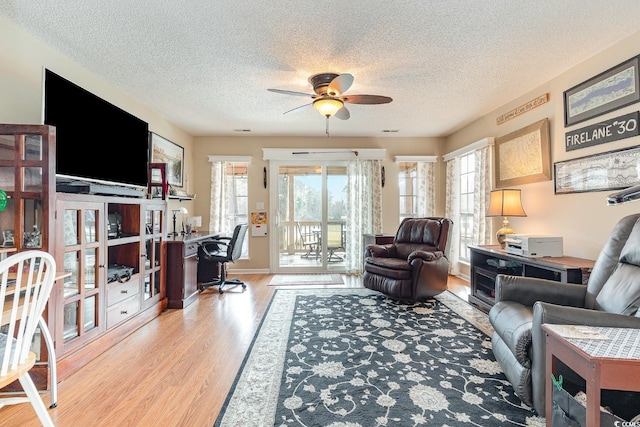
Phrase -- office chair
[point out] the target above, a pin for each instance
(224, 250)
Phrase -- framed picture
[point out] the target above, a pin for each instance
(612, 170)
(165, 151)
(615, 88)
(524, 156)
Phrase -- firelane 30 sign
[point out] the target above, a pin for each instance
(612, 130)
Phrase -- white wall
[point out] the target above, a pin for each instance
(582, 219)
(21, 73)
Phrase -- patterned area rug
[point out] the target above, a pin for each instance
(305, 279)
(352, 357)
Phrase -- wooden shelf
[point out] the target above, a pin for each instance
(181, 198)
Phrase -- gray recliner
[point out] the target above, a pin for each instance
(611, 298)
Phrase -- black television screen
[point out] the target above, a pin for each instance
(94, 139)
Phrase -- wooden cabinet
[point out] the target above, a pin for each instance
(182, 268)
(85, 314)
(27, 178)
(489, 261)
(97, 233)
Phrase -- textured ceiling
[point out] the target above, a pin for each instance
(206, 65)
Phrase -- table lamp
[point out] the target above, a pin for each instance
(505, 203)
(182, 210)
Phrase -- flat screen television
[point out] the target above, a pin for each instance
(95, 140)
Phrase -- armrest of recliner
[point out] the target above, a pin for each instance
(381, 251)
(528, 290)
(560, 315)
(425, 255)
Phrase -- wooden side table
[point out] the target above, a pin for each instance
(612, 363)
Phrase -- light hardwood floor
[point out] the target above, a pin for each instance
(174, 371)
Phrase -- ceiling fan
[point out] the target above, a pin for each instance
(329, 97)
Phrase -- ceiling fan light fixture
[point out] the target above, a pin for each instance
(328, 106)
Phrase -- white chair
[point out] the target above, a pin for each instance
(26, 280)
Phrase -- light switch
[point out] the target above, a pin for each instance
(260, 205)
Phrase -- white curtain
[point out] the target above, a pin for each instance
(481, 234)
(482, 190)
(452, 211)
(426, 188)
(364, 193)
(218, 201)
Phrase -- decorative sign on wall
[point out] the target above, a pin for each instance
(523, 108)
(612, 170)
(615, 88)
(610, 130)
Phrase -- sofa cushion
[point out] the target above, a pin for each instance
(389, 267)
(512, 322)
(621, 293)
(631, 251)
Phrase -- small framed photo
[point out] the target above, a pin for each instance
(615, 88)
(165, 151)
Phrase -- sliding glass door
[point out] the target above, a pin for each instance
(310, 216)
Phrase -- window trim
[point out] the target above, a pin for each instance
(471, 147)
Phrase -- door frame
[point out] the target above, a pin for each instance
(279, 156)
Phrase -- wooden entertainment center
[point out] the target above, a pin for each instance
(490, 260)
(87, 233)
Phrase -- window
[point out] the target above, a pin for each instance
(407, 191)
(229, 195)
(468, 183)
(467, 193)
(417, 186)
(237, 198)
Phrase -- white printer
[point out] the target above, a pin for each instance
(534, 246)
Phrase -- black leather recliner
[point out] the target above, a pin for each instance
(414, 266)
(611, 298)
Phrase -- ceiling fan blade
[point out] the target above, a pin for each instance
(366, 99)
(291, 92)
(340, 84)
(342, 114)
(300, 108)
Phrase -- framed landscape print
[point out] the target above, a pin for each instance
(615, 88)
(612, 170)
(165, 151)
(524, 156)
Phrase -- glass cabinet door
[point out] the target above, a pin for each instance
(154, 230)
(82, 258)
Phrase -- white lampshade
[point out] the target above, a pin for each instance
(328, 106)
(505, 203)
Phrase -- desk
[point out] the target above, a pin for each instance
(182, 267)
(612, 363)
